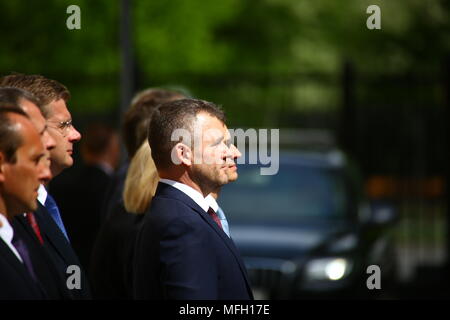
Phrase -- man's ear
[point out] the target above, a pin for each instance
(182, 154)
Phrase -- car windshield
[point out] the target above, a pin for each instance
(294, 194)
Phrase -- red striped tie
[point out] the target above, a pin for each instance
(213, 215)
(32, 221)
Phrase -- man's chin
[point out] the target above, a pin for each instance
(69, 162)
(24, 208)
(33, 205)
(222, 180)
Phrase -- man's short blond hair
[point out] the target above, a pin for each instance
(45, 90)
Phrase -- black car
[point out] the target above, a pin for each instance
(308, 231)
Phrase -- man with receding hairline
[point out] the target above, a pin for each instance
(28, 103)
(22, 159)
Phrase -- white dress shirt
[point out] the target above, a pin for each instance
(42, 194)
(190, 192)
(7, 234)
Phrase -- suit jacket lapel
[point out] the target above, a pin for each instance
(166, 190)
(56, 239)
(10, 258)
(229, 243)
(20, 219)
(53, 234)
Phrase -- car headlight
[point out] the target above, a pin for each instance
(327, 269)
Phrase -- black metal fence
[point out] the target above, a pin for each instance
(394, 126)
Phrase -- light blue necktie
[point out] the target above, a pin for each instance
(52, 208)
(223, 221)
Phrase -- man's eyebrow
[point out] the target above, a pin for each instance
(68, 119)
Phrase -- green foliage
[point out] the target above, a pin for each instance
(178, 36)
(36, 40)
(245, 55)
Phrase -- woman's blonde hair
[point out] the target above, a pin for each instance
(141, 181)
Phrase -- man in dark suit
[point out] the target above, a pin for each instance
(48, 227)
(52, 282)
(83, 187)
(182, 251)
(22, 163)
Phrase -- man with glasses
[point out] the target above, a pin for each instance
(53, 98)
(65, 135)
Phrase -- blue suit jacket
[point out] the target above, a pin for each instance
(181, 253)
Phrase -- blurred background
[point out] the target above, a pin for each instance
(309, 68)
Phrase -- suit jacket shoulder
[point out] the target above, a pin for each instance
(181, 253)
(16, 283)
(52, 282)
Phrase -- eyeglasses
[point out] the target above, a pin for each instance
(62, 126)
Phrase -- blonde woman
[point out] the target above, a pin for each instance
(113, 252)
(141, 181)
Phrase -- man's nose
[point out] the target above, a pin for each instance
(75, 135)
(229, 153)
(236, 152)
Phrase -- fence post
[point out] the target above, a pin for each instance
(348, 137)
(127, 63)
(446, 118)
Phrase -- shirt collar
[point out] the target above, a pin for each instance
(42, 194)
(189, 191)
(215, 206)
(212, 202)
(6, 231)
